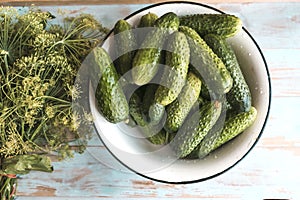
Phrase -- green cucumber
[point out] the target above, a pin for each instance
(135, 109)
(200, 102)
(232, 127)
(179, 109)
(174, 76)
(125, 44)
(160, 138)
(224, 25)
(146, 60)
(195, 128)
(207, 64)
(156, 113)
(148, 98)
(239, 96)
(145, 25)
(147, 20)
(153, 132)
(110, 98)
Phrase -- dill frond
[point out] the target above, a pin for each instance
(39, 63)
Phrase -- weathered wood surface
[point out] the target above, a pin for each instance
(270, 171)
(103, 2)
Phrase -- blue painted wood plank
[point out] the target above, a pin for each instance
(273, 25)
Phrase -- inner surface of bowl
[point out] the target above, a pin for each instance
(158, 162)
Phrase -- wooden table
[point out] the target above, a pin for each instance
(270, 171)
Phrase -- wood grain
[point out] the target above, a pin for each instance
(270, 171)
(93, 2)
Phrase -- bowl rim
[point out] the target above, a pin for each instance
(268, 107)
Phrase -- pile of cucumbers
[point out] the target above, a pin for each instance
(179, 82)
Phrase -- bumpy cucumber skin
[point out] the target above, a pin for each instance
(215, 130)
(146, 59)
(125, 44)
(200, 102)
(154, 133)
(148, 98)
(195, 128)
(173, 79)
(109, 95)
(179, 109)
(168, 21)
(232, 127)
(135, 110)
(239, 96)
(224, 25)
(160, 138)
(156, 113)
(148, 20)
(207, 64)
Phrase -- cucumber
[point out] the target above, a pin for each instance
(200, 102)
(207, 64)
(135, 109)
(239, 96)
(174, 76)
(195, 128)
(110, 98)
(156, 113)
(146, 60)
(160, 138)
(178, 110)
(148, 20)
(215, 130)
(125, 44)
(169, 21)
(232, 127)
(153, 132)
(148, 98)
(224, 25)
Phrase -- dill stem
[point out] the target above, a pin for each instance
(54, 45)
(7, 114)
(6, 64)
(6, 183)
(37, 130)
(54, 99)
(23, 129)
(2, 72)
(62, 106)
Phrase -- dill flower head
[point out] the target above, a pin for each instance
(34, 20)
(18, 30)
(14, 143)
(39, 63)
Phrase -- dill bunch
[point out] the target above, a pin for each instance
(39, 63)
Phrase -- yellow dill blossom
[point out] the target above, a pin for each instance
(39, 63)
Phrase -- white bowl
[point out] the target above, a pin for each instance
(132, 150)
